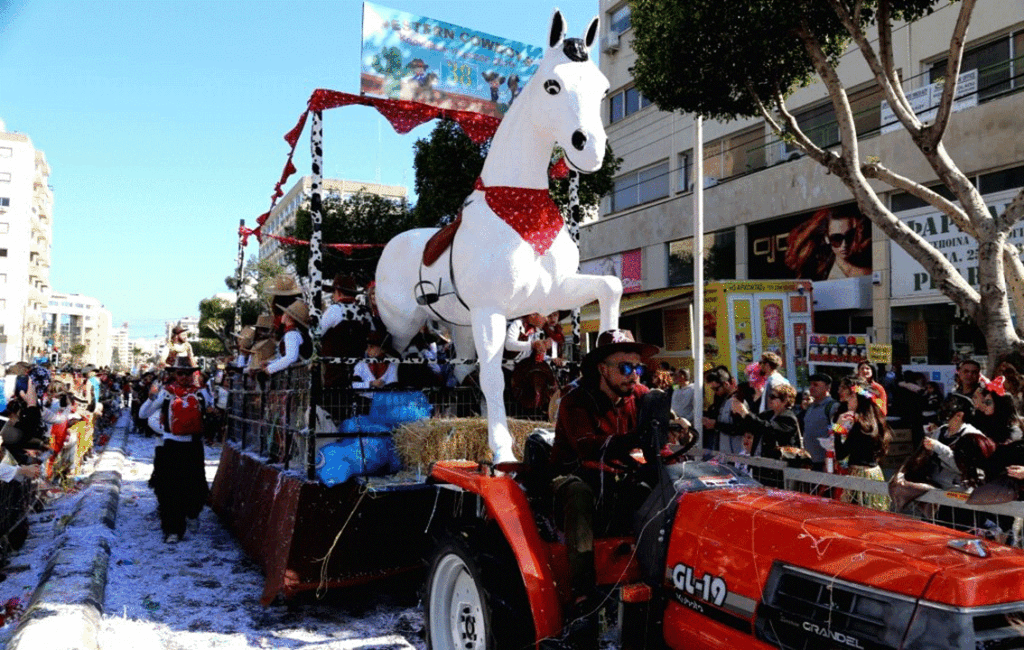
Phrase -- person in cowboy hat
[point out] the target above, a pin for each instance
(244, 342)
(283, 290)
(263, 346)
(174, 411)
(374, 371)
(179, 346)
(598, 423)
(296, 343)
(343, 329)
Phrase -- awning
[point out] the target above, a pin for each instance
(590, 315)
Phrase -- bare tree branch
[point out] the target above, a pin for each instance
(1012, 215)
(792, 128)
(934, 132)
(878, 171)
(840, 101)
(890, 86)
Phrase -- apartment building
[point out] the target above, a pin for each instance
(296, 198)
(760, 193)
(72, 320)
(26, 227)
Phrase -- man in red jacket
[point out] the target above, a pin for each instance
(595, 431)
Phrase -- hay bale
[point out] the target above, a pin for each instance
(425, 441)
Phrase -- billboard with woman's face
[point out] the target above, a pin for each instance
(828, 244)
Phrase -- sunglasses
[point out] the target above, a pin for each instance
(626, 369)
(183, 373)
(773, 396)
(836, 239)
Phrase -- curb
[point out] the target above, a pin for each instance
(67, 606)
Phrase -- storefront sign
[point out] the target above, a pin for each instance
(909, 279)
(627, 266)
(829, 244)
(405, 56)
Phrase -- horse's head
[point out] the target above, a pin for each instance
(567, 91)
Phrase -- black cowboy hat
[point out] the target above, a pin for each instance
(612, 341)
(344, 283)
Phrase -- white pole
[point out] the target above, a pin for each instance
(697, 326)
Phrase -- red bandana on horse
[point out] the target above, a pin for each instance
(531, 213)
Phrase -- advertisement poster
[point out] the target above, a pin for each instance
(405, 56)
(627, 266)
(744, 337)
(716, 328)
(829, 244)
(837, 348)
(800, 353)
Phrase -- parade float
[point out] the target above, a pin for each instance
(712, 560)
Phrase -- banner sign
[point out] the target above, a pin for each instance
(925, 101)
(879, 353)
(909, 279)
(828, 244)
(405, 56)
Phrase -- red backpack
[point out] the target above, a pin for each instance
(183, 414)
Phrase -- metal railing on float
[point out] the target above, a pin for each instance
(268, 415)
(949, 508)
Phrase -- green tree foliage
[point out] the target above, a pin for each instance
(727, 59)
(208, 348)
(733, 59)
(448, 163)
(592, 186)
(217, 316)
(360, 219)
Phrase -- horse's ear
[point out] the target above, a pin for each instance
(591, 35)
(557, 29)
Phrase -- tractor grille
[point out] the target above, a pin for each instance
(804, 611)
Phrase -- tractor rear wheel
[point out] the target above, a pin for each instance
(473, 602)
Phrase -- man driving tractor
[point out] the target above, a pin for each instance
(599, 424)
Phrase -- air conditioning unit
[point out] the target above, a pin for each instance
(610, 43)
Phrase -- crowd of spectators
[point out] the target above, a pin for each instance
(962, 436)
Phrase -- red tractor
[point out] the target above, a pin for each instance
(716, 561)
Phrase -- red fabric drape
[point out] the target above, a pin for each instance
(347, 249)
(403, 116)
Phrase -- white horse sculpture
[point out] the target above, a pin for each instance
(503, 267)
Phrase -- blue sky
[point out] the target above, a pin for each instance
(162, 123)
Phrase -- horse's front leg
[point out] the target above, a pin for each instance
(489, 336)
(605, 289)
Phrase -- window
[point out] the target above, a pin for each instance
(735, 154)
(5, 202)
(1000, 65)
(615, 105)
(3, 278)
(620, 20)
(639, 187)
(719, 258)
(6, 152)
(3, 252)
(3, 303)
(4, 227)
(626, 102)
(5, 177)
(685, 171)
